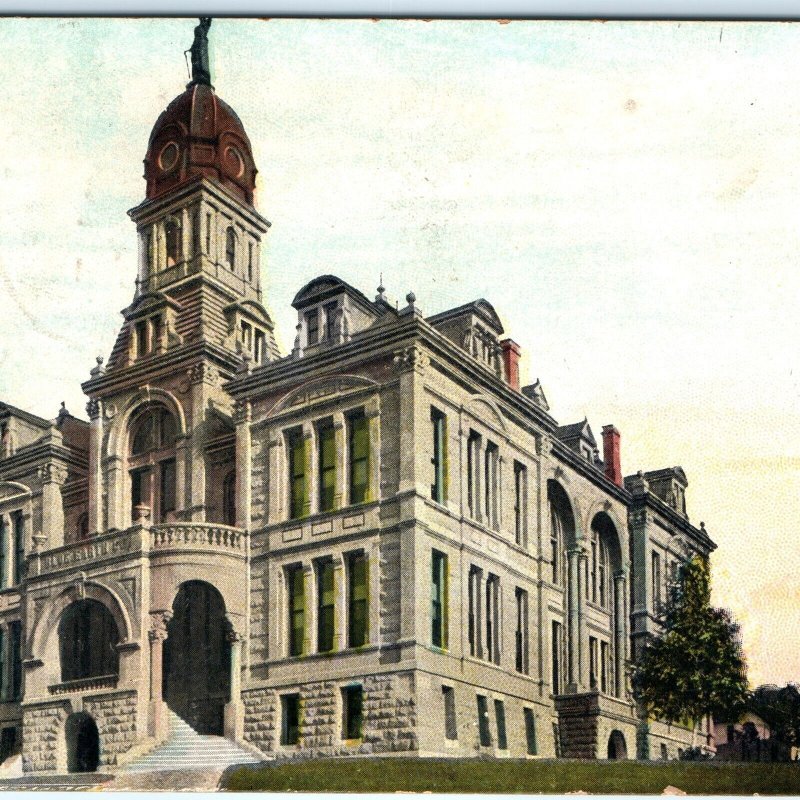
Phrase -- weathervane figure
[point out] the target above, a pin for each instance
(201, 69)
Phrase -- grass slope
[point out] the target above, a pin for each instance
(511, 776)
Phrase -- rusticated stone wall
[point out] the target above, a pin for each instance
(43, 747)
(115, 716)
(389, 718)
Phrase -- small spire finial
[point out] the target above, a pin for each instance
(381, 289)
(201, 68)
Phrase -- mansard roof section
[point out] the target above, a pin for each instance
(325, 287)
(7, 411)
(578, 436)
(482, 309)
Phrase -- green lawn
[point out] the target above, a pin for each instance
(507, 776)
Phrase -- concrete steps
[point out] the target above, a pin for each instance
(185, 749)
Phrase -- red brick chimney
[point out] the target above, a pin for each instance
(511, 353)
(611, 454)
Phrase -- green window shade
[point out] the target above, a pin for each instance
(359, 459)
(358, 601)
(353, 712)
(327, 467)
(439, 459)
(3, 553)
(298, 486)
(297, 611)
(325, 615)
(19, 547)
(500, 718)
(438, 599)
(484, 731)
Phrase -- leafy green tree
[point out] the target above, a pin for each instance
(780, 709)
(696, 666)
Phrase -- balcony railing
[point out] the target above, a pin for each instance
(84, 684)
(201, 535)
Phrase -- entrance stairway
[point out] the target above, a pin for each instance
(185, 749)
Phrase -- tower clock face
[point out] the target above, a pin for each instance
(168, 157)
(234, 161)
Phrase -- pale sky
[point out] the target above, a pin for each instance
(627, 196)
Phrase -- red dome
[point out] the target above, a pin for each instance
(199, 134)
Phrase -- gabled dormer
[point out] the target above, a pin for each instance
(579, 437)
(669, 485)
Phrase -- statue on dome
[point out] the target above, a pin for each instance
(201, 69)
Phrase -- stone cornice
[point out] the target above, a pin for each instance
(669, 519)
(596, 476)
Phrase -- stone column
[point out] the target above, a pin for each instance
(373, 414)
(186, 241)
(620, 635)
(117, 510)
(277, 480)
(52, 477)
(311, 504)
(157, 717)
(242, 416)
(94, 409)
(573, 620)
(310, 633)
(342, 463)
(8, 539)
(201, 377)
(340, 604)
(234, 716)
(583, 631)
(411, 363)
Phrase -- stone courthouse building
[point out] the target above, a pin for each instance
(378, 543)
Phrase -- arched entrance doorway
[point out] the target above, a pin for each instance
(196, 682)
(617, 749)
(83, 743)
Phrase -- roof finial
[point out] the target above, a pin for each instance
(381, 289)
(201, 69)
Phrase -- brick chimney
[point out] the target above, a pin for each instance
(611, 454)
(511, 352)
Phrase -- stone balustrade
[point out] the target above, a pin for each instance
(198, 535)
(84, 684)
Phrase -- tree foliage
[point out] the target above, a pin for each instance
(696, 666)
(780, 709)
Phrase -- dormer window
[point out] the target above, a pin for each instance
(172, 234)
(230, 247)
(147, 335)
(312, 327)
(254, 342)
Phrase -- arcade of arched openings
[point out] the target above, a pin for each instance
(301, 551)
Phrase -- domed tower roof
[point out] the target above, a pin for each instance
(199, 135)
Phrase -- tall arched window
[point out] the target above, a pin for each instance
(230, 247)
(229, 499)
(152, 463)
(87, 637)
(172, 234)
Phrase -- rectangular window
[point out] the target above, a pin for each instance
(656, 583)
(4, 676)
(259, 356)
(500, 719)
(330, 320)
(141, 338)
(297, 609)
(473, 449)
(521, 638)
(594, 570)
(555, 559)
(593, 659)
(520, 491)
(439, 458)
(530, 730)
(490, 467)
(140, 487)
(602, 576)
(450, 728)
(3, 553)
(290, 719)
(326, 442)
(298, 486)
(474, 600)
(325, 606)
(359, 458)
(604, 667)
(492, 618)
(484, 732)
(16, 660)
(208, 234)
(357, 600)
(352, 705)
(439, 599)
(155, 330)
(167, 488)
(19, 547)
(312, 327)
(557, 642)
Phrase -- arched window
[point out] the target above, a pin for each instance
(229, 499)
(562, 531)
(230, 247)
(152, 463)
(172, 234)
(599, 586)
(83, 526)
(87, 637)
